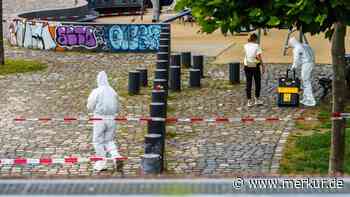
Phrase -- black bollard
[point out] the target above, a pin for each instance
(151, 164)
(158, 110)
(159, 96)
(234, 72)
(175, 78)
(175, 60)
(162, 64)
(161, 74)
(153, 144)
(160, 82)
(163, 55)
(186, 59)
(198, 63)
(143, 77)
(156, 126)
(164, 40)
(134, 82)
(195, 78)
(164, 45)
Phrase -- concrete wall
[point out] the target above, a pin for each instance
(62, 36)
(115, 3)
(81, 14)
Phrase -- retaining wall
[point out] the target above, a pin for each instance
(80, 13)
(62, 36)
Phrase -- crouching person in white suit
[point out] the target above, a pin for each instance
(103, 102)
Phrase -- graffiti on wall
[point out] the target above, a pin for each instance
(76, 36)
(134, 37)
(35, 35)
(95, 37)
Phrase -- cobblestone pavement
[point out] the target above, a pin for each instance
(192, 150)
(198, 149)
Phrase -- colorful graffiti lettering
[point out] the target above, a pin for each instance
(96, 37)
(34, 35)
(76, 36)
(134, 37)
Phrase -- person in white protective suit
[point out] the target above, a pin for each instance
(155, 10)
(303, 55)
(103, 102)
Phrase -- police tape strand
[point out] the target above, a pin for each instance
(50, 161)
(335, 116)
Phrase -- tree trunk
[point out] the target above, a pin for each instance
(336, 161)
(2, 58)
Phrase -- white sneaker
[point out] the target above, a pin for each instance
(258, 101)
(308, 103)
(250, 103)
(100, 165)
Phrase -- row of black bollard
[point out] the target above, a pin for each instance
(168, 76)
(137, 79)
(184, 60)
(196, 72)
(153, 160)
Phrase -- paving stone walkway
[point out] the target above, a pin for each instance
(203, 149)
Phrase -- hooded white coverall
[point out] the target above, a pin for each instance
(103, 101)
(303, 55)
(155, 8)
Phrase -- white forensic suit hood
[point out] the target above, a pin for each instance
(103, 100)
(293, 42)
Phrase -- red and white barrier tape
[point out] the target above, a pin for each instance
(50, 161)
(335, 116)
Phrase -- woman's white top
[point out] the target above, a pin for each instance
(251, 51)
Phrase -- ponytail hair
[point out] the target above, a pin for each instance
(253, 37)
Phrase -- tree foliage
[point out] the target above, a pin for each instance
(313, 16)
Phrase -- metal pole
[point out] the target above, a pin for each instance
(301, 37)
(259, 36)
